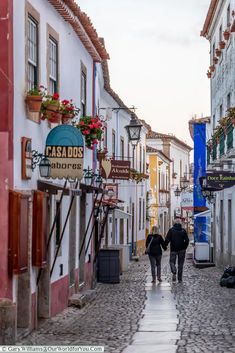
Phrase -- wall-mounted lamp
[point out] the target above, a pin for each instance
(133, 130)
(209, 195)
(177, 191)
(184, 182)
(44, 164)
(88, 176)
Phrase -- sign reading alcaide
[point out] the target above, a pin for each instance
(65, 149)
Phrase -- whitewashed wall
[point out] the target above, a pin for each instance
(71, 53)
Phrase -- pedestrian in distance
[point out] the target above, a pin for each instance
(178, 239)
(154, 245)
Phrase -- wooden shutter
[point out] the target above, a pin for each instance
(39, 240)
(18, 232)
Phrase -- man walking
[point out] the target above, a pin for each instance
(178, 239)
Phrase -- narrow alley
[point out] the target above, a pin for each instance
(138, 316)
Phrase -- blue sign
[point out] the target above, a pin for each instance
(199, 201)
(65, 149)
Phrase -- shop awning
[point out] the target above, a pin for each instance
(120, 214)
(203, 214)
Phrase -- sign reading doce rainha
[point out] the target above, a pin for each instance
(65, 150)
(220, 180)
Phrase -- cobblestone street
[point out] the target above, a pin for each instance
(206, 313)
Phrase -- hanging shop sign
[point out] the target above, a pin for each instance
(187, 201)
(115, 169)
(65, 150)
(220, 180)
(111, 192)
(26, 158)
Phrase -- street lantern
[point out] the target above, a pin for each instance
(45, 167)
(184, 182)
(133, 130)
(177, 191)
(88, 176)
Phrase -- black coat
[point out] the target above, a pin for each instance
(156, 245)
(178, 238)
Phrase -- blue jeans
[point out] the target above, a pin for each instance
(181, 256)
(155, 261)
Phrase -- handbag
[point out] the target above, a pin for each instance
(147, 250)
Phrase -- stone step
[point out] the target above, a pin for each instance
(81, 299)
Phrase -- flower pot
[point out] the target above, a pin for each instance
(212, 68)
(66, 118)
(34, 103)
(101, 156)
(222, 44)
(226, 35)
(215, 60)
(52, 113)
(209, 74)
(218, 52)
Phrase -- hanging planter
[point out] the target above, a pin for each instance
(221, 44)
(208, 74)
(66, 118)
(215, 60)
(218, 52)
(92, 130)
(101, 154)
(226, 34)
(212, 68)
(34, 99)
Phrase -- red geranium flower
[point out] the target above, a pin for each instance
(56, 96)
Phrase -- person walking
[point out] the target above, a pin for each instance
(154, 245)
(178, 239)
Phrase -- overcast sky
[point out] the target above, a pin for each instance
(158, 61)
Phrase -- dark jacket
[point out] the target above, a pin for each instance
(178, 238)
(156, 245)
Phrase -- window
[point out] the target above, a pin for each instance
(113, 143)
(105, 136)
(220, 35)
(144, 212)
(58, 223)
(213, 51)
(83, 89)
(228, 16)
(32, 53)
(140, 214)
(53, 65)
(122, 147)
(221, 111)
(140, 159)
(228, 100)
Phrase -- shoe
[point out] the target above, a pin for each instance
(153, 280)
(180, 280)
(174, 277)
(159, 280)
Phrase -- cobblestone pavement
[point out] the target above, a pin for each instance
(110, 320)
(206, 313)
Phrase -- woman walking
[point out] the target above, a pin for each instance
(154, 245)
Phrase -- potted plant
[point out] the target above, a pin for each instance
(208, 74)
(221, 44)
(92, 130)
(68, 110)
(215, 60)
(101, 153)
(51, 108)
(226, 34)
(34, 98)
(218, 52)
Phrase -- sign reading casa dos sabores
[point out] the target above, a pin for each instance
(65, 150)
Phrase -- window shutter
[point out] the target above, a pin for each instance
(18, 232)
(39, 239)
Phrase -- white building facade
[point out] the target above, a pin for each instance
(219, 29)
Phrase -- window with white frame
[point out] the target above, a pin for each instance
(83, 90)
(228, 16)
(32, 39)
(53, 65)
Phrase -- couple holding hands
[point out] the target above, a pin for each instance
(178, 239)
